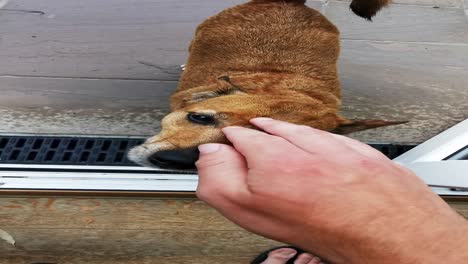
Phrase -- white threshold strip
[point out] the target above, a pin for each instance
(446, 177)
(427, 160)
(93, 178)
(81, 181)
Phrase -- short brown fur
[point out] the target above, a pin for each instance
(265, 58)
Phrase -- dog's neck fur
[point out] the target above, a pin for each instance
(324, 89)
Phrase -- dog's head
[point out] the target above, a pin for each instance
(200, 113)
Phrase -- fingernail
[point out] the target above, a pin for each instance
(261, 119)
(209, 148)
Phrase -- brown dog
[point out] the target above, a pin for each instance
(265, 58)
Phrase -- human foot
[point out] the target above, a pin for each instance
(287, 255)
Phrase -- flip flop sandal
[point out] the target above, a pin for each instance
(263, 256)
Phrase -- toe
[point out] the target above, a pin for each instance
(307, 258)
(304, 259)
(280, 256)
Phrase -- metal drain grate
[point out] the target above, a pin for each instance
(98, 151)
(66, 150)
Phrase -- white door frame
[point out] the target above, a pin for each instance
(429, 160)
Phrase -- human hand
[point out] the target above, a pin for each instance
(329, 195)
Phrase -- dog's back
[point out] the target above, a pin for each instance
(263, 36)
(268, 36)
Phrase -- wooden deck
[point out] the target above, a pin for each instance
(73, 230)
(108, 67)
(166, 230)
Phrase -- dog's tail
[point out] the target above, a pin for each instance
(368, 8)
(283, 1)
(363, 8)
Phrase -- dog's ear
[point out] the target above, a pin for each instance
(219, 87)
(349, 126)
(226, 88)
(201, 96)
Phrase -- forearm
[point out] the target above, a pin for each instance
(412, 234)
(446, 243)
(432, 240)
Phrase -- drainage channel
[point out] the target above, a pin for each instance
(95, 151)
(47, 150)
(82, 163)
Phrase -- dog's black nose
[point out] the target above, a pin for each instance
(175, 159)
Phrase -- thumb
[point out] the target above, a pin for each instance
(222, 172)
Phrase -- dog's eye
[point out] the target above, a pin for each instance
(202, 119)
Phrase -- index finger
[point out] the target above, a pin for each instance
(259, 148)
(308, 139)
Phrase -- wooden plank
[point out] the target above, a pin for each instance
(465, 7)
(96, 213)
(69, 93)
(402, 23)
(424, 84)
(98, 39)
(143, 42)
(125, 230)
(460, 206)
(126, 260)
(136, 243)
(96, 120)
(149, 39)
(126, 214)
(83, 106)
(137, 40)
(119, 228)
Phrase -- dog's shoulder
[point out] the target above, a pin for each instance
(254, 14)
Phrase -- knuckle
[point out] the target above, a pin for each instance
(367, 162)
(370, 164)
(304, 167)
(292, 166)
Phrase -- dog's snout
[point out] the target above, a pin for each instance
(175, 159)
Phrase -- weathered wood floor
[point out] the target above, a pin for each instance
(121, 230)
(77, 230)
